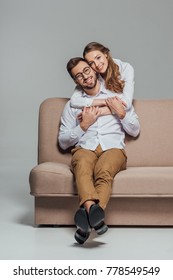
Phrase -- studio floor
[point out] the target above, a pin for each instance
(20, 239)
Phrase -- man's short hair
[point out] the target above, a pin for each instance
(72, 63)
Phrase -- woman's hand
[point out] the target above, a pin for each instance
(116, 105)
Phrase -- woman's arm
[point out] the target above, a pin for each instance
(127, 75)
(78, 100)
(103, 111)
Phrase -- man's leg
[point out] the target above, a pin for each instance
(83, 164)
(109, 164)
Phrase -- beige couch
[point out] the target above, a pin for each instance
(141, 195)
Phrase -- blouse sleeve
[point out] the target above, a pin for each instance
(78, 101)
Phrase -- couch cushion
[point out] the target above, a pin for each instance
(52, 179)
(144, 181)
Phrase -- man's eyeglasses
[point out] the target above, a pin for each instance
(80, 76)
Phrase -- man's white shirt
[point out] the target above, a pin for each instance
(108, 131)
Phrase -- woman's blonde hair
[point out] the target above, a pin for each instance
(112, 76)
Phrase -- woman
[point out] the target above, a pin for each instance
(118, 77)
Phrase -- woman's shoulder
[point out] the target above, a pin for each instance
(117, 60)
(122, 64)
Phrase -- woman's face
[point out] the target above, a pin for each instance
(98, 61)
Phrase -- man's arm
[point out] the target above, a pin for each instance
(131, 123)
(129, 119)
(70, 130)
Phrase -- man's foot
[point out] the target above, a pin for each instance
(81, 236)
(83, 226)
(96, 219)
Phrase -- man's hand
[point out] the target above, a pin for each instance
(116, 105)
(88, 116)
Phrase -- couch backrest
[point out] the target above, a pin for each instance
(153, 147)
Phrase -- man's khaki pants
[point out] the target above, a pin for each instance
(94, 172)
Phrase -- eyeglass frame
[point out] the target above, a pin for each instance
(79, 76)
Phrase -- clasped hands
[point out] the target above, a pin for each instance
(114, 105)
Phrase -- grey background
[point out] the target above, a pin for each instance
(37, 38)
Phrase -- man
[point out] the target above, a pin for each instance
(98, 136)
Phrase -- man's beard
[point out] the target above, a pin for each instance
(88, 87)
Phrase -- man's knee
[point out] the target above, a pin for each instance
(106, 171)
(83, 161)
